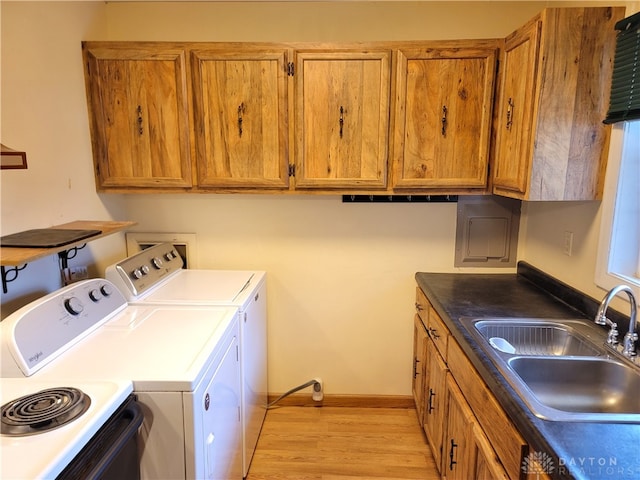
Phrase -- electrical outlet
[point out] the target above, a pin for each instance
(568, 243)
(75, 274)
(318, 390)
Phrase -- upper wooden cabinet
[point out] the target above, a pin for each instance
(342, 118)
(551, 143)
(240, 116)
(138, 115)
(443, 112)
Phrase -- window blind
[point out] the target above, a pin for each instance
(625, 85)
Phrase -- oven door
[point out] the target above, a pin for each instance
(112, 453)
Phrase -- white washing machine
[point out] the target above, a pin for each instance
(183, 363)
(155, 276)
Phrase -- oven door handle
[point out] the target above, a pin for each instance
(101, 450)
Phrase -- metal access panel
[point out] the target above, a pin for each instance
(487, 231)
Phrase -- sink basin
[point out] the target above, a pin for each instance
(579, 388)
(561, 369)
(536, 337)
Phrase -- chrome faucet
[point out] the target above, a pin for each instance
(628, 344)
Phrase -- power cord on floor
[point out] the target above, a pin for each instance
(317, 388)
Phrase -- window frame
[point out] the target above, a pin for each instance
(604, 276)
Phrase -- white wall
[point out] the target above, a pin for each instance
(44, 113)
(341, 285)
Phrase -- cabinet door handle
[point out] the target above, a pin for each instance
(444, 120)
(431, 395)
(341, 120)
(452, 454)
(433, 333)
(509, 113)
(241, 110)
(415, 367)
(139, 112)
(419, 307)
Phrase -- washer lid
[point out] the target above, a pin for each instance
(159, 348)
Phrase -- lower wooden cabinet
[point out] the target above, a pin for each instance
(435, 408)
(469, 434)
(419, 364)
(484, 461)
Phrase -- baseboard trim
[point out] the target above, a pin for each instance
(356, 401)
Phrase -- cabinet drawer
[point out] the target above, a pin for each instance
(422, 305)
(438, 332)
(505, 439)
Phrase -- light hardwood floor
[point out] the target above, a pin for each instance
(340, 443)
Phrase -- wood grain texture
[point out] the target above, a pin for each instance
(342, 100)
(241, 116)
(443, 113)
(138, 114)
(557, 73)
(332, 443)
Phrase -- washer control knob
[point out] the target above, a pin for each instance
(137, 274)
(169, 256)
(106, 290)
(95, 295)
(156, 262)
(73, 306)
(145, 269)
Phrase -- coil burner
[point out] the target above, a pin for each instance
(43, 411)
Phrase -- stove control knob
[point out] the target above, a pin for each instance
(156, 262)
(144, 269)
(95, 295)
(106, 290)
(73, 306)
(137, 274)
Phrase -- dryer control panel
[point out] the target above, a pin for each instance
(140, 272)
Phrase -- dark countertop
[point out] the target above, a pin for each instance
(580, 450)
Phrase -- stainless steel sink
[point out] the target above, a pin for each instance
(537, 337)
(561, 369)
(579, 388)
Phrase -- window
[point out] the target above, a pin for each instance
(619, 249)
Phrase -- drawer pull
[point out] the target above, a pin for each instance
(431, 395)
(452, 462)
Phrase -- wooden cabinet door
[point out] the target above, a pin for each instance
(516, 108)
(458, 445)
(443, 116)
(484, 461)
(419, 366)
(240, 114)
(138, 115)
(435, 401)
(342, 118)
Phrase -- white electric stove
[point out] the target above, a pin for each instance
(183, 363)
(155, 276)
(41, 433)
